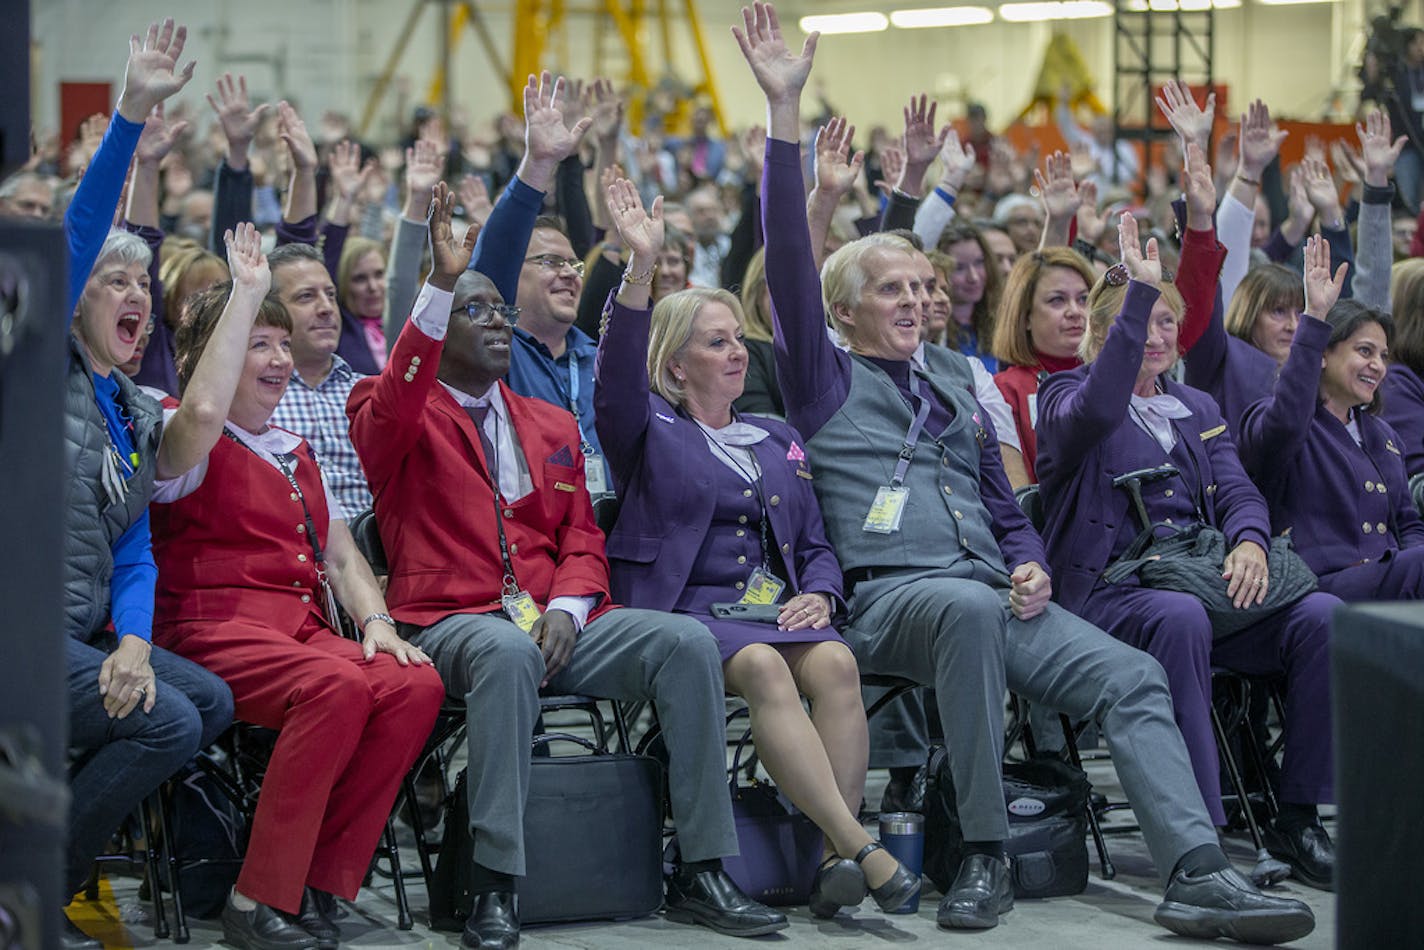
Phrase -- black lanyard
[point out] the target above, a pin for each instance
(281, 461)
(755, 478)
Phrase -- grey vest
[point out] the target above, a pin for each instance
(91, 524)
(856, 451)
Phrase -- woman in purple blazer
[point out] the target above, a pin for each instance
(718, 508)
(1120, 413)
(1331, 469)
(1403, 391)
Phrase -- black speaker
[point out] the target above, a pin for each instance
(1377, 695)
(33, 704)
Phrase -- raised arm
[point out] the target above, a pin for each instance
(1059, 195)
(1260, 140)
(605, 110)
(1200, 264)
(620, 371)
(937, 210)
(835, 173)
(232, 185)
(301, 188)
(1376, 252)
(422, 171)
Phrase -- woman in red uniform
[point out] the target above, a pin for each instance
(253, 555)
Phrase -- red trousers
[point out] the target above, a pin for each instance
(348, 733)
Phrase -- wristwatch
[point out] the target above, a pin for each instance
(378, 616)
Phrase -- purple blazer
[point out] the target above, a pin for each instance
(660, 463)
(1086, 437)
(1343, 503)
(1228, 369)
(1403, 408)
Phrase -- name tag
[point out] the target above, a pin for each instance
(1213, 433)
(763, 588)
(887, 510)
(520, 608)
(594, 477)
(802, 473)
(564, 486)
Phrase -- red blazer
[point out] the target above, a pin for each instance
(435, 504)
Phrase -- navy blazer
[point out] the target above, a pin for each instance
(1086, 438)
(662, 470)
(1343, 503)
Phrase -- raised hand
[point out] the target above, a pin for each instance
(640, 231)
(957, 161)
(1320, 191)
(835, 167)
(451, 257)
(152, 74)
(344, 164)
(158, 137)
(1191, 122)
(1349, 162)
(920, 140)
(1200, 189)
(1298, 206)
(572, 100)
(1143, 267)
(1260, 141)
(1321, 288)
(246, 262)
(547, 139)
(1057, 191)
(475, 199)
(1378, 152)
(604, 108)
(892, 166)
(422, 170)
(1091, 224)
(780, 73)
(239, 121)
(293, 131)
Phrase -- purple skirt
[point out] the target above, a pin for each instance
(732, 635)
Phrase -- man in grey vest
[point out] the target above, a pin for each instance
(943, 570)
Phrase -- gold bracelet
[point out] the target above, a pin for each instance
(643, 279)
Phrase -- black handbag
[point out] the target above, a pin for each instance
(1046, 800)
(779, 847)
(592, 841)
(1191, 558)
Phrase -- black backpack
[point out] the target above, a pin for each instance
(209, 835)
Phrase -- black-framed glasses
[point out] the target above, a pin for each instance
(481, 314)
(554, 262)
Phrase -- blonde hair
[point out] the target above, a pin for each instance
(671, 330)
(1406, 291)
(844, 274)
(1266, 287)
(1011, 343)
(1104, 305)
(351, 254)
(757, 325)
(182, 259)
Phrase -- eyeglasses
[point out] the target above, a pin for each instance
(481, 314)
(554, 262)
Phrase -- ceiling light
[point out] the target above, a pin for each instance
(1282, 3)
(1065, 10)
(941, 16)
(844, 23)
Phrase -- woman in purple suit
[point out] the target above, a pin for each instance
(717, 508)
(1121, 413)
(1331, 469)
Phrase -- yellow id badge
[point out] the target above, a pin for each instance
(887, 510)
(763, 588)
(520, 608)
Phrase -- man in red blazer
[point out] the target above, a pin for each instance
(481, 504)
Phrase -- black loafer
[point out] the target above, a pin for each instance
(72, 938)
(713, 900)
(1226, 904)
(1308, 850)
(980, 893)
(839, 883)
(901, 886)
(313, 919)
(494, 923)
(263, 928)
(905, 796)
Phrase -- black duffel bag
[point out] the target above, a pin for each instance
(592, 841)
(1046, 799)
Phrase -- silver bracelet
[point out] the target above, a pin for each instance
(387, 618)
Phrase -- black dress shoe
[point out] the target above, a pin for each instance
(839, 883)
(494, 923)
(1226, 904)
(905, 796)
(980, 893)
(314, 920)
(895, 892)
(72, 938)
(713, 899)
(1308, 850)
(263, 928)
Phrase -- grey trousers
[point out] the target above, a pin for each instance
(958, 635)
(495, 669)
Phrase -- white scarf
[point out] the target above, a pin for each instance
(731, 445)
(1154, 415)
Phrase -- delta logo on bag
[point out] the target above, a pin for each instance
(1027, 807)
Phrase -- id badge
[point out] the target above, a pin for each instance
(763, 587)
(520, 608)
(595, 476)
(887, 510)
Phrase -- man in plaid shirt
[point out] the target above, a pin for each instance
(314, 405)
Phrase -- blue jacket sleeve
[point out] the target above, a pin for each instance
(91, 210)
(499, 251)
(131, 590)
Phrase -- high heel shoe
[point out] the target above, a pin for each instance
(839, 882)
(901, 886)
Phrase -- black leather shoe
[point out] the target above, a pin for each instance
(839, 883)
(713, 899)
(895, 892)
(494, 923)
(905, 796)
(263, 928)
(72, 938)
(313, 919)
(1226, 904)
(1308, 850)
(980, 893)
